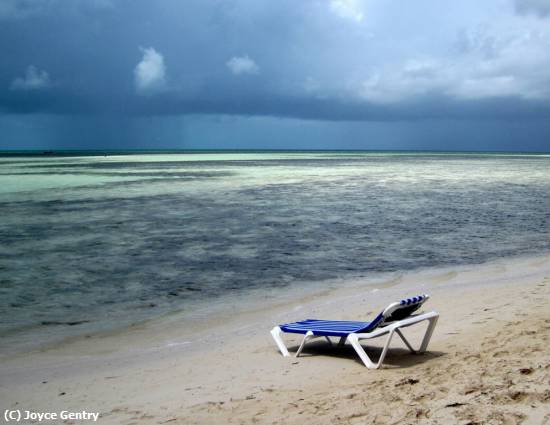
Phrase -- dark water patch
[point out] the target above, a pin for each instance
(54, 323)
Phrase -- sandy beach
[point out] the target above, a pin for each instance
(488, 362)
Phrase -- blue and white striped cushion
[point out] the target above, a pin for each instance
(330, 327)
(345, 327)
(413, 300)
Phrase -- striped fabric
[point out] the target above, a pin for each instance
(413, 300)
(330, 327)
(406, 308)
(345, 327)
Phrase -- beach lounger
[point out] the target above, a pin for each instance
(396, 316)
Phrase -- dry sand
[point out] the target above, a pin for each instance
(488, 362)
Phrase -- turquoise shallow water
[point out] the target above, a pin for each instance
(92, 241)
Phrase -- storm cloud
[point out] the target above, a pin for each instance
(323, 60)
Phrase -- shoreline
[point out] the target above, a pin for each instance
(233, 369)
(204, 314)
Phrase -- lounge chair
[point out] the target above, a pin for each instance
(396, 316)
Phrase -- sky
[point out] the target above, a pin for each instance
(285, 74)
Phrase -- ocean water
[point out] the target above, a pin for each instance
(92, 242)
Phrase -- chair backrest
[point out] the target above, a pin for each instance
(404, 308)
(396, 311)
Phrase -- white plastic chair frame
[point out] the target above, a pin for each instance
(355, 338)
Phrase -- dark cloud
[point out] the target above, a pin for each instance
(538, 7)
(331, 60)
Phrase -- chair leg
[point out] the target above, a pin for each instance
(276, 334)
(307, 336)
(425, 340)
(428, 334)
(409, 346)
(328, 340)
(342, 341)
(385, 350)
(354, 341)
